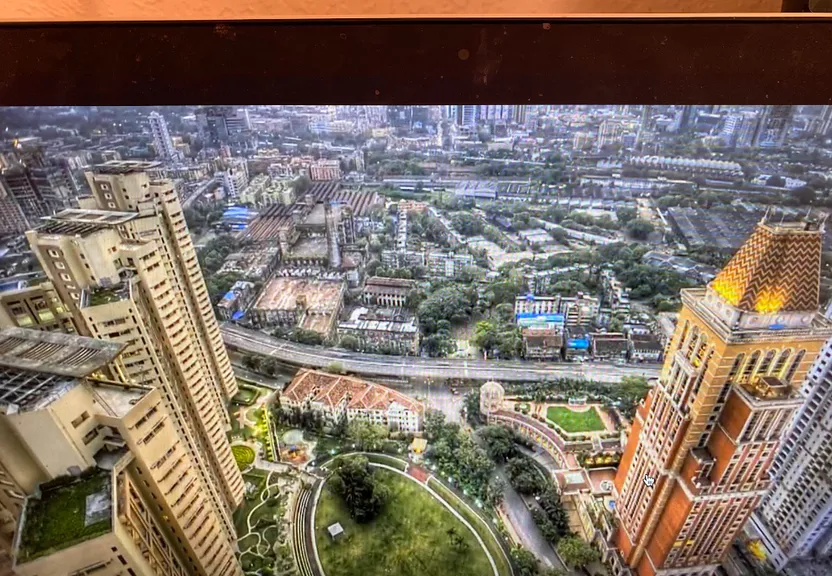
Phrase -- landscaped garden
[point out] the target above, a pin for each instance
(261, 526)
(246, 395)
(574, 421)
(412, 534)
(244, 456)
(63, 516)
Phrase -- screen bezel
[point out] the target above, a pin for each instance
(679, 60)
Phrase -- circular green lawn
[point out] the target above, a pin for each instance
(409, 538)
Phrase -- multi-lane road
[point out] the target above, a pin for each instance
(254, 342)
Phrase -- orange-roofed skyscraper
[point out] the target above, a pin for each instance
(697, 460)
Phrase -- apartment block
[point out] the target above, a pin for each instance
(129, 274)
(794, 520)
(97, 478)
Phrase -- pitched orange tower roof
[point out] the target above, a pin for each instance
(776, 270)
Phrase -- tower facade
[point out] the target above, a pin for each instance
(128, 273)
(161, 137)
(774, 126)
(698, 458)
(97, 479)
(795, 517)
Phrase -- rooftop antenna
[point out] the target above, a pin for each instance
(766, 215)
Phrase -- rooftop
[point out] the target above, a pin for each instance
(332, 390)
(37, 367)
(309, 248)
(94, 216)
(285, 293)
(776, 270)
(118, 399)
(54, 353)
(121, 167)
(67, 515)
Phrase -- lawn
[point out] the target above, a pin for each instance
(571, 421)
(410, 537)
(244, 456)
(478, 523)
(58, 519)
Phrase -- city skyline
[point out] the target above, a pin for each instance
(204, 310)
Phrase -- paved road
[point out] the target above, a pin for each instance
(255, 342)
(523, 523)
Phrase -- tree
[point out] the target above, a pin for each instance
(495, 491)
(268, 366)
(575, 552)
(368, 436)
(640, 229)
(776, 181)
(301, 184)
(354, 481)
(350, 342)
(471, 407)
(251, 361)
(803, 195)
(335, 368)
(457, 541)
(499, 442)
(467, 224)
(524, 561)
(434, 425)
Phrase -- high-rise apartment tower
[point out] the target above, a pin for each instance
(96, 476)
(128, 272)
(161, 137)
(698, 457)
(795, 517)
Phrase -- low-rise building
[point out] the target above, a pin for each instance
(531, 304)
(543, 343)
(340, 398)
(448, 264)
(616, 295)
(610, 346)
(236, 300)
(388, 292)
(325, 170)
(306, 303)
(578, 344)
(579, 310)
(402, 258)
(383, 329)
(645, 348)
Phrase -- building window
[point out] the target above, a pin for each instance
(54, 253)
(795, 365)
(66, 277)
(749, 366)
(90, 436)
(81, 419)
(60, 265)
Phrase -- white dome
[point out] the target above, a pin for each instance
(491, 397)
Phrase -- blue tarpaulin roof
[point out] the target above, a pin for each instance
(238, 314)
(578, 343)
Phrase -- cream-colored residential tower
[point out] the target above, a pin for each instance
(126, 269)
(95, 477)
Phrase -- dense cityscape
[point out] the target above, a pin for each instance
(364, 340)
